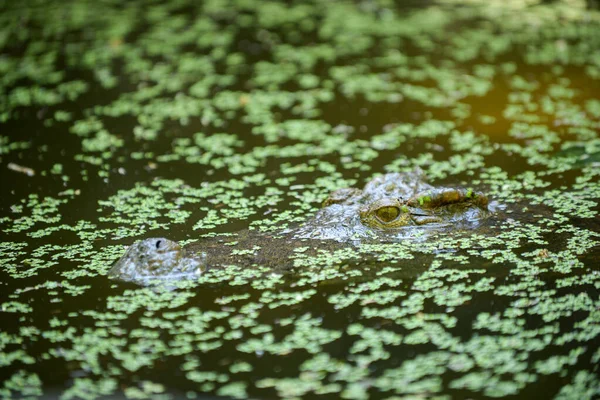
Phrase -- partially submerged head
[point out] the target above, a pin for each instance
(389, 205)
(153, 258)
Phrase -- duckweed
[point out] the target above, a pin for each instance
(192, 120)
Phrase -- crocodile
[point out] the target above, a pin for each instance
(390, 207)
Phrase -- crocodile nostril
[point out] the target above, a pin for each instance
(158, 242)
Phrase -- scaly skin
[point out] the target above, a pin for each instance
(389, 206)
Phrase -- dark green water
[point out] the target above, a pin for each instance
(126, 120)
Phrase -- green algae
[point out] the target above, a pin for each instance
(24, 384)
(193, 120)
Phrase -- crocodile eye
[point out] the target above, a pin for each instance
(158, 242)
(387, 213)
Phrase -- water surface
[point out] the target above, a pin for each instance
(120, 121)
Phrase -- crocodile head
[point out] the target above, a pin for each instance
(154, 258)
(391, 204)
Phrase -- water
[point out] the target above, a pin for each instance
(187, 120)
